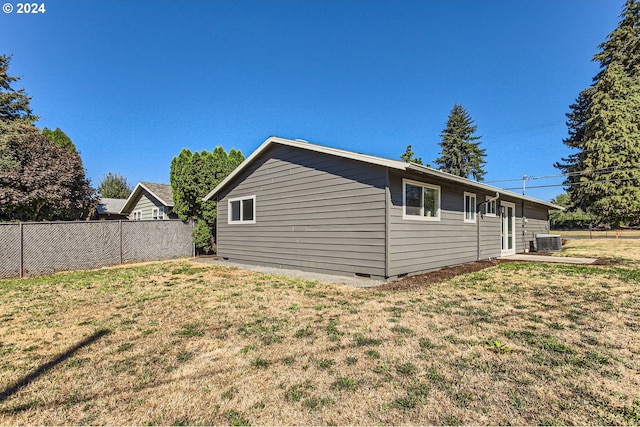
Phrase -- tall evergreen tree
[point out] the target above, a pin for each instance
(461, 154)
(604, 129)
(14, 103)
(410, 157)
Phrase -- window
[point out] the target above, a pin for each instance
(469, 207)
(242, 210)
(158, 213)
(490, 208)
(137, 215)
(421, 201)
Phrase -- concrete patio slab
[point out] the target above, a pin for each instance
(358, 282)
(546, 258)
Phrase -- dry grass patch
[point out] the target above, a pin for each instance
(622, 250)
(607, 234)
(189, 344)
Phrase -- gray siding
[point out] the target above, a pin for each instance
(146, 203)
(427, 245)
(319, 212)
(537, 222)
(313, 212)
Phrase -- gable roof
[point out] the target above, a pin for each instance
(380, 161)
(162, 192)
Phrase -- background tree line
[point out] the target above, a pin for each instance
(602, 173)
(42, 176)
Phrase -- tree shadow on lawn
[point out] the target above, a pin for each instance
(43, 369)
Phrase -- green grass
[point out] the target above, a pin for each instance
(191, 330)
(344, 384)
(360, 340)
(623, 274)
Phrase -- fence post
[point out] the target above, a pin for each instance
(193, 244)
(21, 250)
(121, 255)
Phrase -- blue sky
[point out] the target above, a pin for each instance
(133, 82)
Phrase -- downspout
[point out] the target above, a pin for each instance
(524, 231)
(387, 225)
(478, 221)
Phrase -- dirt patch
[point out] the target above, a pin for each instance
(607, 261)
(437, 276)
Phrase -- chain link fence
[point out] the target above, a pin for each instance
(28, 249)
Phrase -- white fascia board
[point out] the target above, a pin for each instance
(126, 209)
(155, 195)
(305, 146)
(380, 161)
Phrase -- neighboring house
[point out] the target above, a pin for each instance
(150, 201)
(109, 209)
(298, 205)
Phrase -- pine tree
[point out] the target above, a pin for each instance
(623, 44)
(14, 104)
(409, 156)
(604, 129)
(461, 154)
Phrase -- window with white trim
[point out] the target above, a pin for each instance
(157, 213)
(137, 215)
(469, 207)
(420, 201)
(491, 207)
(242, 210)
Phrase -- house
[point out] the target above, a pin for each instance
(150, 201)
(109, 209)
(298, 205)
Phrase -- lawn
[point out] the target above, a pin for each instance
(606, 234)
(182, 343)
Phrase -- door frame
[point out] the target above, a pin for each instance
(504, 227)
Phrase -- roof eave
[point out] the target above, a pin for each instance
(466, 181)
(155, 195)
(126, 209)
(380, 161)
(307, 146)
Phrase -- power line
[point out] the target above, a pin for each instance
(576, 183)
(584, 172)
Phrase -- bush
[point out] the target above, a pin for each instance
(202, 238)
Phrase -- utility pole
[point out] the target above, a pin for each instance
(525, 178)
